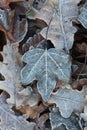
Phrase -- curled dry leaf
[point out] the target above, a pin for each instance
(71, 123)
(41, 120)
(46, 66)
(10, 69)
(59, 15)
(8, 119)
(33, 41)
(68, 101)
(29, 112)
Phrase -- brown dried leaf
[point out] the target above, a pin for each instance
(5, 3)
(41, 120)
(20, 21)
(29, 112)
(78, 84)
(68, 101)
(32, 42)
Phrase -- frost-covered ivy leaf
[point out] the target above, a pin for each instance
(71, 123)
(9, 121)
(68, 101)
(10, 69)
(46, 66)
(60, 14)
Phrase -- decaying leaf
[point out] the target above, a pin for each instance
(68, 101)
(11, 71)
(41, 120)
(46, 66)
(71, 123)
(79, 84)
(32, 41)
(9, 121)
(59, 16)
(5, 3)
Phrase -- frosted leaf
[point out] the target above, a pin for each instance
(68, 100)
(11, 71)
(83, 16)
(9, 121)
(60, 14)
(46, 66)
(71, 123)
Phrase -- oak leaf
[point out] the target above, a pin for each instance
(46, 66)
(10, 69)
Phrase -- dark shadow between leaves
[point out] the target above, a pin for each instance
(1, 58)
(2, 78)
(2, 40)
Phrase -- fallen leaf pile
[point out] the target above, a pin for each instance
(43, 65)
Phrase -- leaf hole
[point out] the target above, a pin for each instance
(2, 78)
(2, 40)
(1, 57)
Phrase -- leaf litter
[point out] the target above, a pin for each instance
(30, 79)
